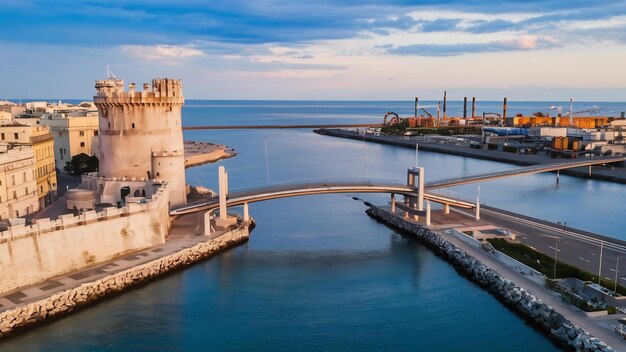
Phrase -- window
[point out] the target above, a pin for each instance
(16, 135)
(109, 125)
(133, 124)
(82, 144)
(2, 136)
(14, 194)
(95, 133)
(81, 133)
(26, 190)
(12, 180)
(24, 177)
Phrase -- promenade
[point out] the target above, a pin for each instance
(598, 327)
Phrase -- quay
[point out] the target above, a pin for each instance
(612, 174)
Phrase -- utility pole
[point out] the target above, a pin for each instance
(616, 269)
(556, 252)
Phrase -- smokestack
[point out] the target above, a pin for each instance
(473, 106)
(503, 113)
(464, 107)
(438, 114)
(571, 112)
(444, 103)
(416, 105)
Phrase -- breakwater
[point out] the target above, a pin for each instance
(617, 175)
(556, 326)
(63, 303)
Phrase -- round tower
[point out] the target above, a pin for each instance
(141, 132)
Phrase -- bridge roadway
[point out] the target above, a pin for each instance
(524, 170)
(301, 189)
(243, 127)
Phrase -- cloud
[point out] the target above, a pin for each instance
(166, 53)
(440, 25)
(524, 43)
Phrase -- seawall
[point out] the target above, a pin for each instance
(499, 156)
(553, 324)
(63, 303)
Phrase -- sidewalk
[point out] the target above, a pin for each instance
(183, 234)
(598, 327)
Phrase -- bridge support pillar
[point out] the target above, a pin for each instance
(589, 170)
(446, 208)
(206, 224)
(420, 190)
(246, 212)
(557, 176)
(477, 216)
(393, 203)
(223, 191)
(427, 213)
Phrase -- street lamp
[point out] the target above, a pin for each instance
(616, 270)
(556, 252)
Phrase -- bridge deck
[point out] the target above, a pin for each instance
(525, 170)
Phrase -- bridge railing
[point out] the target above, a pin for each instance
(316, 183)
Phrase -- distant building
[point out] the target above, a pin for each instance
(41, 140)
(141, 136)
(73, 133)
(18, 184)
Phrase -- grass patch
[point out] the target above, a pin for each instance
(545, 263)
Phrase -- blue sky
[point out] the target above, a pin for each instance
(290, 49)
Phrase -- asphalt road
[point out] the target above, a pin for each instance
(581, 250)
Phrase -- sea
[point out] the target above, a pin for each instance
(317, 273)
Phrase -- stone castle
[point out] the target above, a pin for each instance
(141, 134)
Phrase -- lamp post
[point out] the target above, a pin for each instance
(600, 266)
(616, 270)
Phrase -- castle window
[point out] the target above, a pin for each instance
(2, 135)
(95, 133)
(133, 124)
(81, 133)
(109, 125)
(16, 135)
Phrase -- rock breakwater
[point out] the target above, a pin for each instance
(541, 315)
(65, 302)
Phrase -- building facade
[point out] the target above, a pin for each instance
(18, 183)
(42, 143)
(141, 133)
(74, 133)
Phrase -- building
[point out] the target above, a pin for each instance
(42, 142)
(141, 135)
(18, 184)
(74, 133)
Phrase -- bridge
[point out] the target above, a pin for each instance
(414, 191)
(525, 170)
(302, 189)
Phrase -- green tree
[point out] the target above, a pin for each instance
(82, 163)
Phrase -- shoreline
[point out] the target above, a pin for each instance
(63, 303)
(617, 175)
(559, 329)
(200, 153)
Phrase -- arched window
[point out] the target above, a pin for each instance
(136, 194)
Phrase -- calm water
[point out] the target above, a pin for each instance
(317, 273)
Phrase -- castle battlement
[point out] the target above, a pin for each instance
(165, 154)
(162, 90)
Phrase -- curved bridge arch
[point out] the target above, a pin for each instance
(262, 194)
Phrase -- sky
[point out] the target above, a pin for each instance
(319, 49)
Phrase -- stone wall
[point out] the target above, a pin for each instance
(48, 248)
(67, 301)
(555, 325)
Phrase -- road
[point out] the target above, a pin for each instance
(578, 248)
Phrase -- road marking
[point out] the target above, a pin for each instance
(587, 260)
(554, 249)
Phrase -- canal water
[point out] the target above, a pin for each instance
(317, 273)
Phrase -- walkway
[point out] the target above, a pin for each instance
(183, 234)
(598, 327)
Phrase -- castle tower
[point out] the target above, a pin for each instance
(141, 134)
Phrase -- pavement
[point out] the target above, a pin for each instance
(184, 233)
(598, 327)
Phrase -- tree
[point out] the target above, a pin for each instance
(82, 163)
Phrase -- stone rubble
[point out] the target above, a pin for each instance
(67, 301)
(555, 325)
